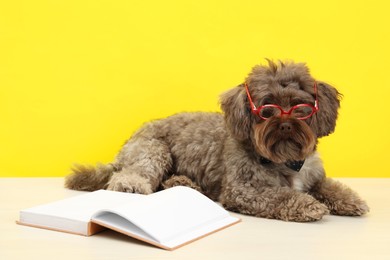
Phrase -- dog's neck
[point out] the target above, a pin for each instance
(294, 165)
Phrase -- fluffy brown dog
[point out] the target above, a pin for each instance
(258, 158)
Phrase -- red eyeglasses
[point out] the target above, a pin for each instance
(300, 111)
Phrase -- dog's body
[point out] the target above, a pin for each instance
(237, 158)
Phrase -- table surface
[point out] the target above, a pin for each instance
(333, 237)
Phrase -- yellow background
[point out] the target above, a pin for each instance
(78, 77)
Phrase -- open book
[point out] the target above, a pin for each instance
(168, 219)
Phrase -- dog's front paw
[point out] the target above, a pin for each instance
(353, 206)
(313, 212)
(129, 183)
(340, 199)
(303, 208)
(180, 180)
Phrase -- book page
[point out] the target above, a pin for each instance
(170, 213)
(200, 232)
(116, 222)
(122, 225)
(73, 214)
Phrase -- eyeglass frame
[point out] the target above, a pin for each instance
(256, 110)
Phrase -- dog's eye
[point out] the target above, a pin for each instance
(284, 83)
(302, 112)
(267, 112)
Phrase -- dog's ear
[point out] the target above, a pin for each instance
(324, 121)
(237, 112)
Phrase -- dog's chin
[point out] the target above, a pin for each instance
(283, 151)
(280, 147)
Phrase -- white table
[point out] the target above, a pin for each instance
(254, 238)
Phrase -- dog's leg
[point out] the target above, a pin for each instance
(273, 202)
(249, 188)
(144, 163)
(180, 180)
(339, 198)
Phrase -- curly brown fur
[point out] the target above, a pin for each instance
(181, 180)
(339, 198)
(89, 178)
(277, 145)
(236, 157)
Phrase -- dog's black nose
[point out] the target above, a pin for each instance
(285, 127)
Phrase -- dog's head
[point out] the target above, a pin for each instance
(268, 113)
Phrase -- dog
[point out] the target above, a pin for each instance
(258, 157)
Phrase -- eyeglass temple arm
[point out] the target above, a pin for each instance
(316, 93)
(254, 108)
